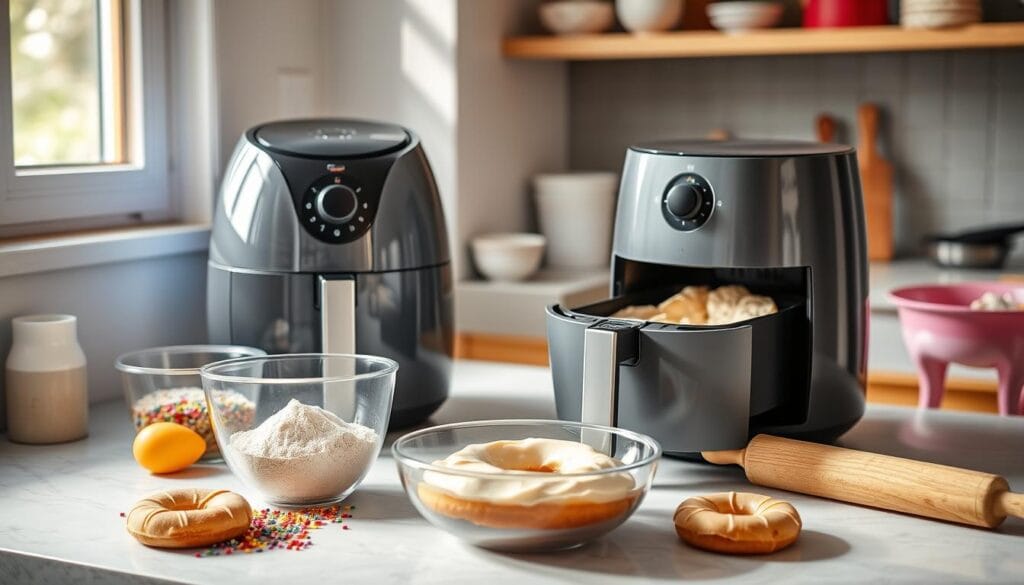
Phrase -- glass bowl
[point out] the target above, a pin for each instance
(319, 424)
(162, 384)
(511, 522)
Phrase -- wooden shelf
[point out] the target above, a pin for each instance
(780, 41)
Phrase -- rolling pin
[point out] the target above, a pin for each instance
(880, 481)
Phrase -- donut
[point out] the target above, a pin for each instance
(522, 484)
(190, 517)
(737, 523)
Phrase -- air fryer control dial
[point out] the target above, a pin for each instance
(335, 208)
(337, 203)
(683, 200)
(687, 202)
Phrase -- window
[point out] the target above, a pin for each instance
(83, 131)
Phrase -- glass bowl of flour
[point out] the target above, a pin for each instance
(319, 424)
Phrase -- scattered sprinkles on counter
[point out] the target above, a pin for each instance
(279, 529)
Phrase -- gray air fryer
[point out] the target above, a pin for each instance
(329, 236)
(784, 219)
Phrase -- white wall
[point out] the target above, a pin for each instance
(512, 122)
(270, 62)
(394, 60)
(487, 124)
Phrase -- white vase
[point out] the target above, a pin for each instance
(575, 213)
(642, 16)
(47, 395)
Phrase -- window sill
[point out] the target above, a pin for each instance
(29, 255)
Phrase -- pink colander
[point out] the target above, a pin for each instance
(939, 327)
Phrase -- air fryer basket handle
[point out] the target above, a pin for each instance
(606, 345)
(337, 315)
(338, 335)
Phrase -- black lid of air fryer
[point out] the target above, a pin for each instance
(332, 138)
(742, 148)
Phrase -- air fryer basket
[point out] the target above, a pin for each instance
(693, 387)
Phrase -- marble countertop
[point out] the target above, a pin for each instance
(61, 506)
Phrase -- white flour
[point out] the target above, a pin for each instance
(304, 454)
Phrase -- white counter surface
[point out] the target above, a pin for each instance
(60, 522)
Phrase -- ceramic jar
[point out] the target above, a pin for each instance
(643, 16)
(47, 396)
(576, 211)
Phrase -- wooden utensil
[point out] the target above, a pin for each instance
(825, 128)
(880, 481)
(876, 182)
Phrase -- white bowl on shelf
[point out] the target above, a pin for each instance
(739, 17)
(576, 17)
(647, 16)
(508, 257)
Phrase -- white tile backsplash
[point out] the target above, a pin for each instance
(952, 122)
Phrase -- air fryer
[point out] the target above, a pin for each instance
(783, 219)
(329, 236)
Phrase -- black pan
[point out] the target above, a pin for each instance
(977, 248)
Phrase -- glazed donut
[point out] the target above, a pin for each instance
(737, 523)
(517, 496)
(187, 518)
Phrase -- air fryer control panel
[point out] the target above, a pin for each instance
(687, 202)
(336, 201)
(335, 209)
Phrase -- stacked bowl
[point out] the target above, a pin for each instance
(939, 13)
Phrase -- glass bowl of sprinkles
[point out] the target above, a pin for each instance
(162, 384)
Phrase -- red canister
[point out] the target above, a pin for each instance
(836, 13)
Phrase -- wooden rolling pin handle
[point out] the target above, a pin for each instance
(881, 481)
(734, 457)
(1010, 504)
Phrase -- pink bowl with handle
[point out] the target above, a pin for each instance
(939, 327)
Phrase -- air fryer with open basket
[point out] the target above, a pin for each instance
(784, 219)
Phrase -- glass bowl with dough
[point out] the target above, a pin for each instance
(526, 485)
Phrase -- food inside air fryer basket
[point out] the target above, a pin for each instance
(701, 305)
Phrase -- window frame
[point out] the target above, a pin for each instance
(139, 187)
